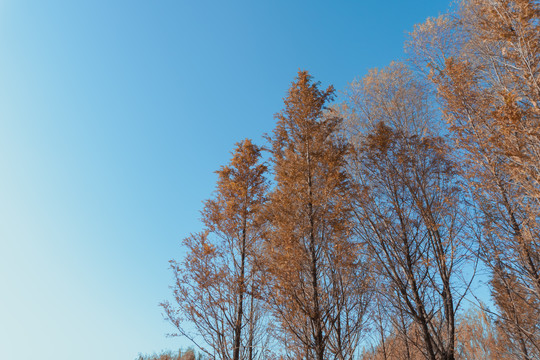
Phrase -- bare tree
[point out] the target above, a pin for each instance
(408, 214)
(409, 205)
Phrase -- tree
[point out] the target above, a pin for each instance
(217, 286)
(317, 287)
(408, 213)
(408, 207)
(394, 95)
(395, 335)
(169, 355)
(398, 345)
(489, 85)
(479, 337)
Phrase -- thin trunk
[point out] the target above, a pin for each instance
(406, 338)
(449, 351)
(516, 320)
(450, 321)
(518, 233)
(316, 318)
(422, 317)
(381, 330)
(240, 314)
(251, 326)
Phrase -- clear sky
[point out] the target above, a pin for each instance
(113, 117)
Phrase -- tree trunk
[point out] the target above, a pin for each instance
(240, 313)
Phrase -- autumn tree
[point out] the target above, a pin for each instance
(407, 213)
(394, 95)
(394, 335)
(408, 208)
(317, 287)
(488, 83)
(397, 345)
(217, 284)
(169, 355)
(478, 337)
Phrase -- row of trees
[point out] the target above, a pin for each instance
(170, 355)
(382, 209)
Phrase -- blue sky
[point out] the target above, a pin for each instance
(113, 117)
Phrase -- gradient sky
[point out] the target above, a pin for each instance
(113, 117)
